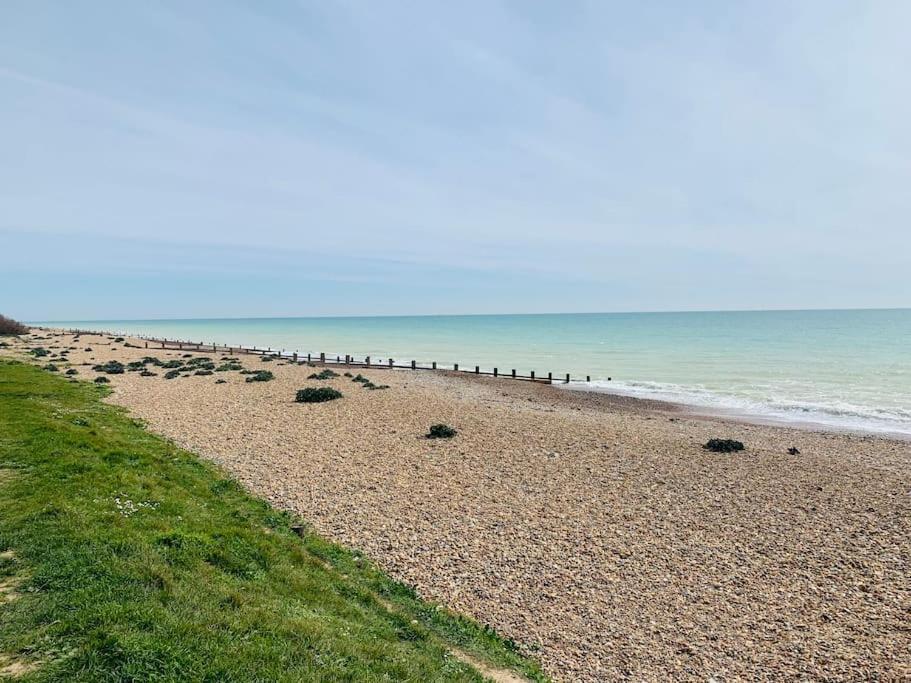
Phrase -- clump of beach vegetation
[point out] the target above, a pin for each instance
(112, 367)
(317, 395)
(50, 367)
(171, 374)
(441, 431)
(230, 365)
(324, 374)
(261, 376)
(8, 326)
(39, 352)
(102, 380)
(367, 384)
(723, 445)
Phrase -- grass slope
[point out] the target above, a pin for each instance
(123, 557)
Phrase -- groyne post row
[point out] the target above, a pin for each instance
(324, 359)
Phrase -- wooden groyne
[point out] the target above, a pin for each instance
(347, 360)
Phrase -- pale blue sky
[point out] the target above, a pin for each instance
(311, 158)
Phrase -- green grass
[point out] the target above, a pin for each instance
(135, 560)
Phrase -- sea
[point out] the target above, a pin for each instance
(843, 369)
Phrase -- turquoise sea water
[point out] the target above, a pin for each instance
(849, 369)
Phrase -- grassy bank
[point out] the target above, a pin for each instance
(126, 558)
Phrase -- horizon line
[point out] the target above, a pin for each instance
(478, 315)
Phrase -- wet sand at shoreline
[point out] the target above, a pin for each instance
(593, 529)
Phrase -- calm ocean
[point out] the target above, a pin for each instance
(849, 369)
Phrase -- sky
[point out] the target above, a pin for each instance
(343, 157)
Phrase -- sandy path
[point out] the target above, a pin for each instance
(595, 531)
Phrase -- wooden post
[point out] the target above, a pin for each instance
(414, 365)
(434, 365)
(588, 378)
(550, 377)
(180, 345)
(513, 373)
(294, 356)
(338, 359)
(367, 361)
(567, 378)
(532, 374)
(477, 369)
(147, 345)
(322, 358)
(213, 348)
(162, 344)
(456, 367)
(494, 372)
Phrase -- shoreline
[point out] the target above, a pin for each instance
(594, 530)
(693, 410)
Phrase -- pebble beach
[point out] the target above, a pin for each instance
(594, 530)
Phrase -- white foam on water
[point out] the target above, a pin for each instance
(829, 411)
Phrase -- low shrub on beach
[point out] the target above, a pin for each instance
(221, 381)
(8, 326)
(203, 372)
(39, 352)
(112, 367)
(723, 445)
(261, 376)
(441, 431)
(102, 380)
(172, 364)
(148, 373)
(317, 395)
(50, 367)
(72, 371)
(225, 367)
(324, 374)
(171, 374)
